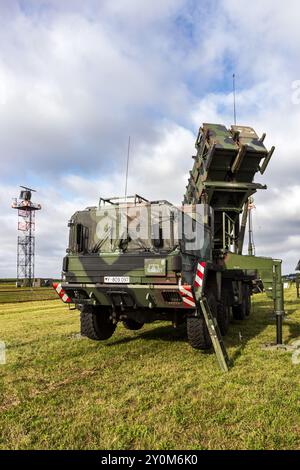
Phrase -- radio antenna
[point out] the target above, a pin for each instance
(127, 166)
(234, 99)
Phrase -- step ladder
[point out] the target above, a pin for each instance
(215, 335)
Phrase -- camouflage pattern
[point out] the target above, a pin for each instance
(102, 259)
(223, 172)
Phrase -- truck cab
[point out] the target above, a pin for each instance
(134, 260)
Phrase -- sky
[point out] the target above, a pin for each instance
(77, 78)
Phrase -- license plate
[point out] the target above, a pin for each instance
(116, 279)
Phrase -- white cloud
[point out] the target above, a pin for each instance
(161, 171)
(72, 87)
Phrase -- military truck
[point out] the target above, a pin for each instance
(136, 261)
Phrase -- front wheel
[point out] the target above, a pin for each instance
(197, 331)
(96, 324)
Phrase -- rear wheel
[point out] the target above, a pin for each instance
(238, 312)
(197, 331)
(247, 301)
(241, 311)
(223, 316)
(131, 324)
(95, 323)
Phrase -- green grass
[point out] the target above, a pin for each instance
(145, 389)
(11, 294)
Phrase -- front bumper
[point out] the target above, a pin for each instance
(128, 296)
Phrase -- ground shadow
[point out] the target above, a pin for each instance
(160, 333)
(262, 316)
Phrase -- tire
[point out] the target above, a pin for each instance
(247, 301)
(133, 325)
(96, 324)
(238, 312)
(197, 332)
(241, 311)
(223, 315)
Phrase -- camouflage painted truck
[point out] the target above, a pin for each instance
(136, 261)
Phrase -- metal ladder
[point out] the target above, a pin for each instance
(215, 335)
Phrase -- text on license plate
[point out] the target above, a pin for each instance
(116, 279)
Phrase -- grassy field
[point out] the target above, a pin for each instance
(10, 294)
(146, 389)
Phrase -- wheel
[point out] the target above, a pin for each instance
(241, 311)
(197, 332)
(223, 315)
(238, 312)
(95, 323)
(247, 301)
(131, 324)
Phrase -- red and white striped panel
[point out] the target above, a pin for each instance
(199, 274)
(64, 297)
(187, 296)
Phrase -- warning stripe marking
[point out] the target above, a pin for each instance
(199, 274)
(187, 296)
(186, 292)
(64, 297)
(189, 303)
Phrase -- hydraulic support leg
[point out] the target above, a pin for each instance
(278, 301)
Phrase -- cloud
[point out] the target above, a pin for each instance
(74, 89)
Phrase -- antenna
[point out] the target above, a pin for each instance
(234, 99)
(127, 166)
(26, 238)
